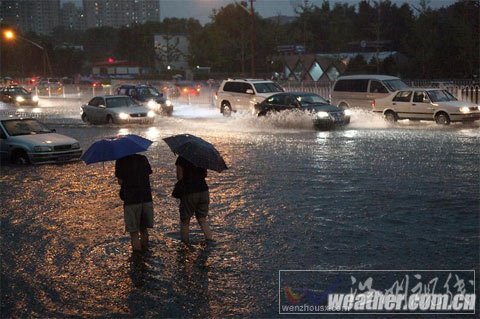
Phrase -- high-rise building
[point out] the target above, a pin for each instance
(72, 17)
(116, 14)
(30, 15)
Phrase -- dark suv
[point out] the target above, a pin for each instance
(148, 96)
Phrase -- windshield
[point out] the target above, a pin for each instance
(268, 87)
(308, 99)
(24, 127)
(19, 91)
(440, 96)
(149, 92)
(120, 102)
(395, 85)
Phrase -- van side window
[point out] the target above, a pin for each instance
(246, 87)
(377, 87)
(233, 87)
(403, 96)
(359, 85)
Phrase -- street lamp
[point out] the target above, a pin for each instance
(10, 35)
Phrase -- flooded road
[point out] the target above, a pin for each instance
(369, 196)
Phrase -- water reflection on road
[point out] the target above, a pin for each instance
(370, 196)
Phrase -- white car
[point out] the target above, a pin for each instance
(116, 109)
(426, 104)
(27, 140)
(243, 94)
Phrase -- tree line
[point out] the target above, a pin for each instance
(439, 43)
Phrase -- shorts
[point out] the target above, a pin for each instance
(138, 216)
(195, 203)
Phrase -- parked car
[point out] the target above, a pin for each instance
(188, 88)
(18, 95)
(116, 109)
(27, 140)
(49, 86)
(326, 117)
(359, 90)
(243, 94)
(426, 104)
(148, 96)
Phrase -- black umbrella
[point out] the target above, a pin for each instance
(197, 151)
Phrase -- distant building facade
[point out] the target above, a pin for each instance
(42, 16)
(116, 14)
(31, 15)
(72, 17)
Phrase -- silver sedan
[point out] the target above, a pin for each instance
(116, 109)
(426, 104)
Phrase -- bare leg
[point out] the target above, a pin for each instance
(144, 239)
(184, 229)
(205, 228)
(135, 239)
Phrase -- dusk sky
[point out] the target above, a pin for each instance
(202, 9)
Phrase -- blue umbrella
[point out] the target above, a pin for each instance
(197, 151)
(111, 149)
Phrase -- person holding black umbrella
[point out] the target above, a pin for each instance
(195, 156)
(194, 200)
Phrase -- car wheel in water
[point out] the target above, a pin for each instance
(84, 117)
(391, 116)
(226, 109)
(343, 106)
(110, 119)
(20, 158)
(442, 119)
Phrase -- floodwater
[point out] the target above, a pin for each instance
(369, 196)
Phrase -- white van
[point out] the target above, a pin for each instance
(360, 90)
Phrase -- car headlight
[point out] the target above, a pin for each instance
(19, 99)
(151, 104)
(464, 109)
(151, 114)
(75, 145)
(42, 148)
(348, 112)
(322, 115)
(123, 116)
(168, 103)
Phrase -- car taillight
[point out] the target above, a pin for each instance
(373, 104)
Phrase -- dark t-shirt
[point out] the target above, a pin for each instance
(134, 171)
(193, 176)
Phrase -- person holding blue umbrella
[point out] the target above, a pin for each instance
(133, 173)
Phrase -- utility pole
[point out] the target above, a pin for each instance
(253, 33)
(253, 36)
